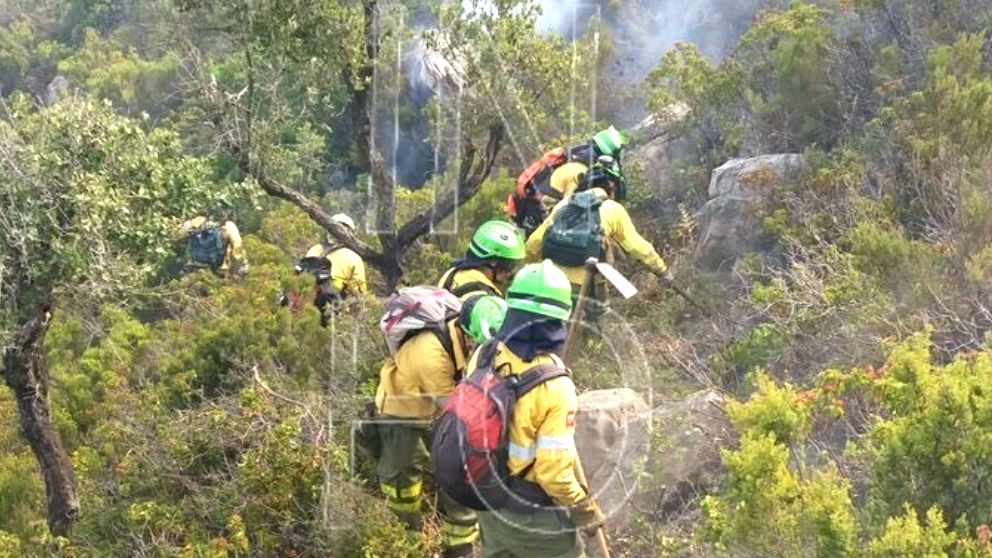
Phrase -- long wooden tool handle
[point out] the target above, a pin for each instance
(580, 474)
(575, 322)
(681, 292)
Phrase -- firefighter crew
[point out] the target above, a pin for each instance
(413, 389)
(218, 247)
(617, 229)
(497, 248)
(542, 446)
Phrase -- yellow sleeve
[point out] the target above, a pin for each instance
(535, 242)
(187, 227)
(235, 248)
(554, 465)
(624, 234)
(565, 179)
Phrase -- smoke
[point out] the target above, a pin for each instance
(639, 32)
(642, 30)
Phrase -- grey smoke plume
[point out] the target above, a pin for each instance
(642, 30)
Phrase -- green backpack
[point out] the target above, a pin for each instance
(575, 235)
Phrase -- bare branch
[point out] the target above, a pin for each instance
(469, 182)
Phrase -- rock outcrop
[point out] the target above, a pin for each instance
(731, 223)
(685, 458)
(57, 88)
(612, 435)
(651, 460)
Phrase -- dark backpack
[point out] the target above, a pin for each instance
(319, 266)
(206, 246)
(471, 441)
(575, 235)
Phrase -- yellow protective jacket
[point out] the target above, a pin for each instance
(232, 237)
(418, 380)
(618, 230)
(542, 432)
(347, 268)
(567, 177)
(466, 283)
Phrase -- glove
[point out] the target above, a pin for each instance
(241, 270)
(667, 278)
(587, 516)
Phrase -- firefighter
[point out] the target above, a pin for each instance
(495, 251)
(339, 273)
(413, 389)
(605, 148)
(214, 246)
(568, 240)
(347, 267)
(552, 505)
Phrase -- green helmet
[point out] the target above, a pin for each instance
(482, 316)
(609, 141)
(541, 288)
(497, 239)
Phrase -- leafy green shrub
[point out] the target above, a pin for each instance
(110, 71)
(906, 535)
(938, 437)
(770, 510)
(773, 411)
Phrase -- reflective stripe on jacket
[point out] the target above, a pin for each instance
(542, 430)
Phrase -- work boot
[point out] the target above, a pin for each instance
(458, 551)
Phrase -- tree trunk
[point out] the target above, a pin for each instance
(26, 372)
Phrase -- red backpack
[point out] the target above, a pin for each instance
(471, 441)
(524, 203)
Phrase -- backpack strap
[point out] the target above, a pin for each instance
(462, 290)
(522, 384)
(331, 248)
(449, 278)
(440, 331)
(444, 337)
(473, 286)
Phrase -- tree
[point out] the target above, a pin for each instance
(87, 202)
(332, 52)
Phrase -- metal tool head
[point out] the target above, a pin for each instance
(610, 273)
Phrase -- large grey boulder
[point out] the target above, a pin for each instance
(57, 88)
(685, 456)
(731, 223)
(656, 148)
(612, 437)
(653, 460)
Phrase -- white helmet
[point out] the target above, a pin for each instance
(344, 220)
